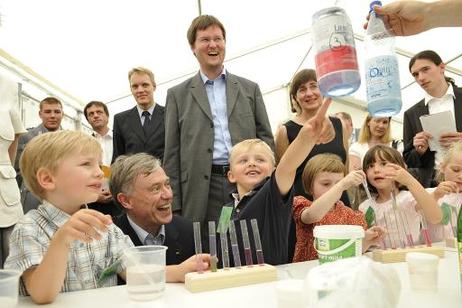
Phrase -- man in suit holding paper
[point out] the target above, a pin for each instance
(205, 116)
(441, 95)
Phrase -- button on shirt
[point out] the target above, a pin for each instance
(216, 93)
(440, 104)
(107, 145)
(148, 238)
(31, 239)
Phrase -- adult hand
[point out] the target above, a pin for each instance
(84, 225)
(447, 139)
(105, 196)
(404, 17)
(319, 128)
(190, 265)
(420, 142)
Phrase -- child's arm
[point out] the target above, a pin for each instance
(372, 236)
(176, 273)
(316, 130)
(45, 281)
(424, 200)
(324, 203)
(444, 188)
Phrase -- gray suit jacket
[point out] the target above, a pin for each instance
(189, 136)
(28, 200)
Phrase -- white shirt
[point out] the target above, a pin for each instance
(107, 145)
(440, 104)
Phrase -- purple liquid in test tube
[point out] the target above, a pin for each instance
(256, 237)
(234, 245)
(245, 240)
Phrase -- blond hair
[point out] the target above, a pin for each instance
(142, 70)
(326, 162)
(365, 132)
(456, 148)
(249, 144)
(48, 150)
(127, 168)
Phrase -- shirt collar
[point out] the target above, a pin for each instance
(205, 78)
(142, 234)
(449, 93)
(150, 110)
(108, 134)
(54, 214)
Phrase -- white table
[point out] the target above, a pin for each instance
(261, 295)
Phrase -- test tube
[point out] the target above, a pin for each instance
(234, 245)
(245, 239)
(256, 237)
(424, 231)
(224, 249)
(198, 246)
(387, 219)
(399, 226)
(213, 246)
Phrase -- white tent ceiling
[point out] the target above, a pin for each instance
(87, 47)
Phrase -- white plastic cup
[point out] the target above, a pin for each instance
(9, 287)
(290, 293)
(145, 272)
(423, 271)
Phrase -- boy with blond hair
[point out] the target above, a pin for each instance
(62, 245)
(266, 199)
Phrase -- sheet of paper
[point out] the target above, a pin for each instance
(437, 124)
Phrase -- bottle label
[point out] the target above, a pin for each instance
(332, 32)
(334, 60)
(382, 78)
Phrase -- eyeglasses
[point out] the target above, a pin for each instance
(208, 40)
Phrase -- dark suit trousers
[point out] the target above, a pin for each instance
(219, 195)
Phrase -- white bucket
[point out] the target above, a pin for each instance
(334, 242)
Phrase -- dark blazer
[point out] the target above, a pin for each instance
(179, 237)
(129, 137)
(412, 126)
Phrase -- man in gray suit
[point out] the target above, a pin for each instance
(205, 116)
(51, 114)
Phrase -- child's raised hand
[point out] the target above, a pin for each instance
(398, 174)
(319, 127)
(445, 188)
(354, 178)
(84, 225)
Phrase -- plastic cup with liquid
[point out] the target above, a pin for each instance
(9, 287)
(145, 267)
(423, 271)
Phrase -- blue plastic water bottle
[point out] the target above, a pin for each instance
(382, 74)
(336, 60)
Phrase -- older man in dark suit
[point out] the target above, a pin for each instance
(142, 128)
(441, 95)
(141, 186)
(205, 116)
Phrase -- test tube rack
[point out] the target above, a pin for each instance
(399, 254)
(231, 277)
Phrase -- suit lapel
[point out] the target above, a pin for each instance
(134, 123)
(156, 121)
(421, 110)
(128, 230)
(458, 108)
(200, 95)
(232, 90)
(171, 241)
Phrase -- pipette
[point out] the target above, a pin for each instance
(387, 219)
(401, 230)
(198, 246)
(234, 245)
(224, 249)
(256, 237)
(371, 209)
(245, 239)
(213, 246)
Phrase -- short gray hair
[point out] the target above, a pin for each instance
(127, 168)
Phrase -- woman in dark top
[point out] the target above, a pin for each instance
(305, 100)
